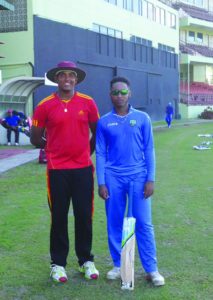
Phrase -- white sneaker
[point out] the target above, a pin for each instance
(58, 273)
(115, 273)
(156, 278)
(16, 144)
(8, 144)
(89, 270)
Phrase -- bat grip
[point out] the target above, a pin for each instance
(130, 200)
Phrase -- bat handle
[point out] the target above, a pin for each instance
(130, 199)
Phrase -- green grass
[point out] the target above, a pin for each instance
(182, 214)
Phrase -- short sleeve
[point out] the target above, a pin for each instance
(39, 116)
(93, 111)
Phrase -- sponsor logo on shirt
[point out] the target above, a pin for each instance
(132, 122)
(112, 124)
(81, 112)
(35, 123)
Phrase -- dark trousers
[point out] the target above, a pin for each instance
(9, 131)
(64, 185)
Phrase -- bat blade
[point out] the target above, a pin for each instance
(128, 254)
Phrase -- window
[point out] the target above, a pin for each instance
(166, 48)
(128, 4)
(107, 31)
(139, 40)
(120, 3)
(111, 32)
(196, 2)
(112, 1)
(168, 19)
(132, 38)
(150, 11)
(157, 14)
(191, 36)
(210, 41)
(95, 27)
(145, 9)
(118, 34)
(140, 8)
(149, 43)
(199, 37)
(199, 2)
(103, 30)
(162, 16)
(173, 21)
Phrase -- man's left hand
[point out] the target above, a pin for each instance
(148, 189)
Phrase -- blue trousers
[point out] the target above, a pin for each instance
(118, 187)
(168, 119)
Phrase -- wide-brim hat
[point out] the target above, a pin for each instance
(66, 66)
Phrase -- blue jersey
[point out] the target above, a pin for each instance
(124, 145)
(169, 110)
(12, 120)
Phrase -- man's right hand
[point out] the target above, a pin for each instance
(103, 191)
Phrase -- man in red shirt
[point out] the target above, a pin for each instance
(65, 124)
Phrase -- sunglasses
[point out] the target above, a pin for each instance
(123, 92)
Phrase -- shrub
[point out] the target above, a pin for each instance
(207, 113)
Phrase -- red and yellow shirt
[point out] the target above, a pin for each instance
(67, 129)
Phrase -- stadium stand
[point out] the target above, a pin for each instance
(202, 50)
(194, 49)
(195, 12)
(199, 93)
(185, 49)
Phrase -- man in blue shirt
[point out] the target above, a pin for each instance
(125, 154)
(11, 123)
(169, 114)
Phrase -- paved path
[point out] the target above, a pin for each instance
(7, 152)
(11, 158)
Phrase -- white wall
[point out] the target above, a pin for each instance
(199, 73)
(194, 111)
(191, 112)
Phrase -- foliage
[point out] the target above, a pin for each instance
(207, 113)
(182, 214)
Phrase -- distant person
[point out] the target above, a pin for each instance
(169, 114)
(21, 115)
(11, 123)
(68, 118)
(125, 156)
(42, 158)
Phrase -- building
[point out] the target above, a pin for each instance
(4, 5)
(138, 39)
(196, 56)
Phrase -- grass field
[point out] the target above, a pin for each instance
(182, 214)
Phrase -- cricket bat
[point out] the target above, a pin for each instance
(128, 246)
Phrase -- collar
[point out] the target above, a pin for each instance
(130, 109)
